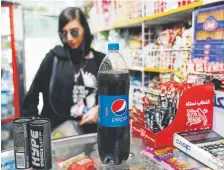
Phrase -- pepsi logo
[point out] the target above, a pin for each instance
(210, 24)
(119, 107)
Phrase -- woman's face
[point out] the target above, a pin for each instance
(74, 33)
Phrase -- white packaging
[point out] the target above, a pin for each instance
(197, 153)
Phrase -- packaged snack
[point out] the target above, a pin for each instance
(166, 77)
(187, 38)
(171, 158)
(166, 37)
(153, 98)
(79, 162)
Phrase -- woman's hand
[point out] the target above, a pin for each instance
(90, 117)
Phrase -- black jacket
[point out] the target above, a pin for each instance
(61, 95)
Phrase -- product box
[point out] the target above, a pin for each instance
(170, 158)
(79, 162)
(204, 52)
(213, 54)
(209, 33)
(209, 24)
(205, 145)
(210, 57)
(191, 110)
(209, 46)
(136, 128)
(219, 113)
(214, 51)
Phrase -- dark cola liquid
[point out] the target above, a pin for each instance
(113, 142)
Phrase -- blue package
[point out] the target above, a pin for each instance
(209, 33)
(208, 52)
(9, 165)
(205, 27)
(214, 46)
(212, 58)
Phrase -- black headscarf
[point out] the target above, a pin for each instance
(76, 55)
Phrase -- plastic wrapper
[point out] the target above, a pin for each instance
(169, 158)
(79, 162)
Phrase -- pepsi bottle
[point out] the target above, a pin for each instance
(113, 133)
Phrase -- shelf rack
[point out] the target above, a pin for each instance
(143, 63)
(162, 18)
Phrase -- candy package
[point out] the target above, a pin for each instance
(79, 162)
(170, 158)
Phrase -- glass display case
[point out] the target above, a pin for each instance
(72, 146)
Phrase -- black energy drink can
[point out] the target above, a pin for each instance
(40, 140)
(21, 137)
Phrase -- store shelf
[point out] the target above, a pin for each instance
(136, 68)
(205, 73)
(7, 120)
(160, 18)
(173, 15)
(159, 70)
(147, 69)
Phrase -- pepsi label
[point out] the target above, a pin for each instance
(113, 111)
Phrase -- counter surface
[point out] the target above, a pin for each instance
(69, 147)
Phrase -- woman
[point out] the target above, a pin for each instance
(67, 77)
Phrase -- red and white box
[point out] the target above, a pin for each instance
(195, 112)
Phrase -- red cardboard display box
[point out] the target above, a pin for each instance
(195, 112)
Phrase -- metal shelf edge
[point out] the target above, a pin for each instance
(156, 16)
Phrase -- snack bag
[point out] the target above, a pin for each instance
(79, 162)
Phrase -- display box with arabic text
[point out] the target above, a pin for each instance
(188, 110)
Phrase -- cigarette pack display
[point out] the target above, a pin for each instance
(205, 145)
(21, 137)
(176, 111)
(136, 128)
(40, 139)
(170, 158)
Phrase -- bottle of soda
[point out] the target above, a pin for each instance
(113, 134)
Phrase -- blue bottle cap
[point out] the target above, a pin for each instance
(113, 46)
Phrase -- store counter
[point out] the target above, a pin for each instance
(69, 147)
